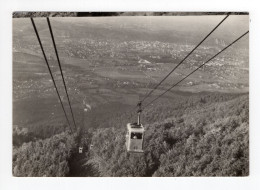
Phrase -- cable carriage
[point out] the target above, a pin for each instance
(135, 135)
(80, 149)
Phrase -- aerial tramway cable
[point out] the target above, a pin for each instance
(134, 145)
(47, 63)
(185, 58)
(58, 59)
(196, 69)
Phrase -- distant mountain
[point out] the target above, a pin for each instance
(94, 14)
(176, 29)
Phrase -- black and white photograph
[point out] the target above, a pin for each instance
(130, 94)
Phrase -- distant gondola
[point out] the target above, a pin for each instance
(80, 149)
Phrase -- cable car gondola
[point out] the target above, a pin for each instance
(135, 135)
(80, 149)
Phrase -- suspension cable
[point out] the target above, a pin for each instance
(185, 58)
(58, 59)
(47, 63)
(196, 69)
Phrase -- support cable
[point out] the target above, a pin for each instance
(47, 63)
(185, 58)
(58, 59)
(196, 69)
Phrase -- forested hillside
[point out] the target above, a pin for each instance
(203, 134)
(207, 138)
(47, 157)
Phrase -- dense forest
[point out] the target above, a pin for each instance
(48, 157)
(203, 134)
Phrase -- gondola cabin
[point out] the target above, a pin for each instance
(134, 137)
(80, 149)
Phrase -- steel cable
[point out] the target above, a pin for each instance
(196, 69)
(185, 58)
(58, 59)
(47, 63)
